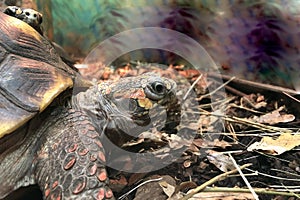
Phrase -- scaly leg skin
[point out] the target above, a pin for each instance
(71, 163)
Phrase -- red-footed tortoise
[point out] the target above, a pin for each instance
(49, 135)
(35, 19)
(27, 15)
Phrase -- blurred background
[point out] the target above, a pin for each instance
(255, 40)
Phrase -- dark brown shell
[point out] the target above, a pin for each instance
(32, 74)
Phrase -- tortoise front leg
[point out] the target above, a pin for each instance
(71, 163)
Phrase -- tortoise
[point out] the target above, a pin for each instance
(28, 15)
(52, 120)
(35, 19)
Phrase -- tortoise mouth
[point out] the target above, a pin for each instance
(141, 119)
(140, 115)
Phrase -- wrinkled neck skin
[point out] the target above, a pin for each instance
(106, 117)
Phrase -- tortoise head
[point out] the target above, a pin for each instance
(131, 105)
(29, 16)
(32, 17)
(13, 11)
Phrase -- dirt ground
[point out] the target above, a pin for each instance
(236, 122)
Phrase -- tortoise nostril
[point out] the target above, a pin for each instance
(27, 13)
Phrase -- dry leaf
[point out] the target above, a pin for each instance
(176, 142)
(118, 184)
(220, 160)
(222, 195)
(221, 143)
(277, 146)
(134, 178)
(199, 142)
(167, 188)
(194, 149)
(254, 101)
(274, 117)
(184, 186)
(154, 189)
(260, 98)
(260, 105)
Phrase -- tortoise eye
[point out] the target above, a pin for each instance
(156, 90)
(27, 13)
(158, 87)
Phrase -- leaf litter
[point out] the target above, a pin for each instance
(259, 125)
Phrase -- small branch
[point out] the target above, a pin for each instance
(244, 190)
(212, 181)
(243, 177)
(290, 96)
(248, 122)
(192, 86)
(215, 90)
(255, 86)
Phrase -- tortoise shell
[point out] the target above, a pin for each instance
(32, 74)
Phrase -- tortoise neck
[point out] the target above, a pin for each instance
(104, 115)
(93, 104)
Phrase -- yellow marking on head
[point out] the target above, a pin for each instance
(145, 103)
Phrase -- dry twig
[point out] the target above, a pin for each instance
(211, 181)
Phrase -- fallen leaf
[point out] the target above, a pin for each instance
(220, 160)
(152, 189)
(118, 184)
(185, 186)
(260, 98)
(274, 117)
(255, 101)
(222, 195)
(134, 178)
(167, 188)
(221, 143)
(277, 146)
(199, 142)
